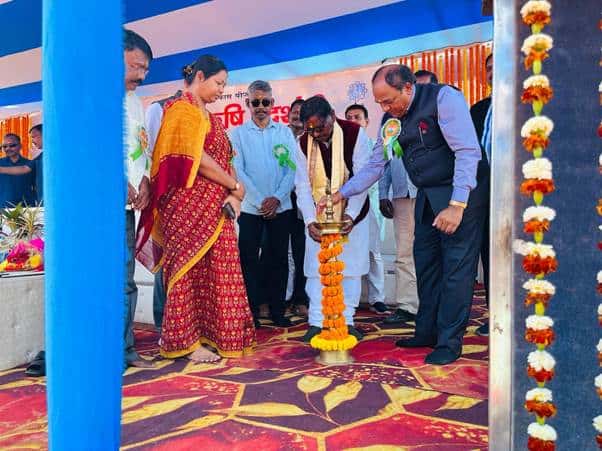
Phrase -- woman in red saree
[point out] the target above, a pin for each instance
(185, 232)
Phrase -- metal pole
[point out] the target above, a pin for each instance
(503, 192)
(83, 86)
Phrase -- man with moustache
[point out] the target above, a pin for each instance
(16, 180)
(263, 161)
(431, 128)
(330, 152)
(137, 56)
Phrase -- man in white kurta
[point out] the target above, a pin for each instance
(325, 133)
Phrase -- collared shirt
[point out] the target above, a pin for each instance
(458, 131)
(397, 180)
(16, 188)
(258, 167)
(136, 141)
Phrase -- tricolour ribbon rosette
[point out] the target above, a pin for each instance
(542, 437)
(283, 155)
(535, 133)
(539, 330)
(535, 48)
(538, 259)
(541, 366)
(537, 91)
(538, 292)
(536, 14)
(390, 132)
(539, 402)
(598, 426)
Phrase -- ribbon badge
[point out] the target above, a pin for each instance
(283, 155)
(389, 132)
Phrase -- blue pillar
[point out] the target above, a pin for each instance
(83, 85)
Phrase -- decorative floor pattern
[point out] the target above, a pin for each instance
(280, 399)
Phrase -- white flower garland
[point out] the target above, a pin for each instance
(539, 395)
(542, 432)
(539, 41)
(539, 214)
(538, 168)
(540, 81)
(538, 322)
(541, 360)
(541, 287)
(535, 6)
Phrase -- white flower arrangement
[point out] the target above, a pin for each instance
(539, 214)
(543, 432)
(538, 168)
(535, 6)
(539, 322)
(539, 81)
(539, 395)
(599, 276)
(598, 381)
(537, 125)
(600, 160)
(599, 346)
(538, 41)
(530, 248)
(540, 287)
(600, 309)
(600, 87)
(541, 360)
(598, 424)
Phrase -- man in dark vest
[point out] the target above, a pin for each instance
(331, 151)
(431, 130)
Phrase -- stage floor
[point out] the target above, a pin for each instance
(280, 399)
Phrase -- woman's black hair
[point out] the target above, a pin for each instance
(207, 64)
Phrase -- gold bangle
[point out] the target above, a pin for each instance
(457, 203)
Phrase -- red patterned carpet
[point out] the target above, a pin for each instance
(280, 399)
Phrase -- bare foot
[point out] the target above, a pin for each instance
(204, 355)
(141, 363)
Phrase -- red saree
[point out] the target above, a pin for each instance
(197, 246)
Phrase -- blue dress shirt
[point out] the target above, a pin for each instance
(457, 129)
(257, 166)
(16, 188)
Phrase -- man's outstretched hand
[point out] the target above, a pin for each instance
(336, 198)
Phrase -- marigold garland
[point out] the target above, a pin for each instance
(334, 335)
(538, 259)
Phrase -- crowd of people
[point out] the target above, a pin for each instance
(193, 182)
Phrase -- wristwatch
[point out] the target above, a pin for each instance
(457, 203)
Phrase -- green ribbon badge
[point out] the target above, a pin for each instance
(283, 155)
(389, 132)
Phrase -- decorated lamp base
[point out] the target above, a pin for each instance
(330, 228)
(334, 357)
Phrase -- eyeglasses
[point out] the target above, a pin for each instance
(9, 146)
(264, 102)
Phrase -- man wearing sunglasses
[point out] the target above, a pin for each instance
(263, 161)
(16, 179)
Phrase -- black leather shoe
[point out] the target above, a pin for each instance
(414, 343)
(442, 356)
(282, 322)
(311, 333)
(400, 316)
(356, 333)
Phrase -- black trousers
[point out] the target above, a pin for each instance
(299, 296)
(265, 272)
(446, 267)
(485, 255)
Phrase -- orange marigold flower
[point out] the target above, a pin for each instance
(599, 288)
(540, 55)
(534, 141)
(599, 436)
(536, 444)
(542, 337)
(529, 186)
(534, 298)
(537, 93)
(541, 375)
(541, 409)
(534, 225)
(534, 264)
(537, 17)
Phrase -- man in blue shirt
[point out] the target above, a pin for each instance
(16, 179)
(264, 164)
(432, 131)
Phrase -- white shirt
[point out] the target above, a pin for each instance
(136, 141)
